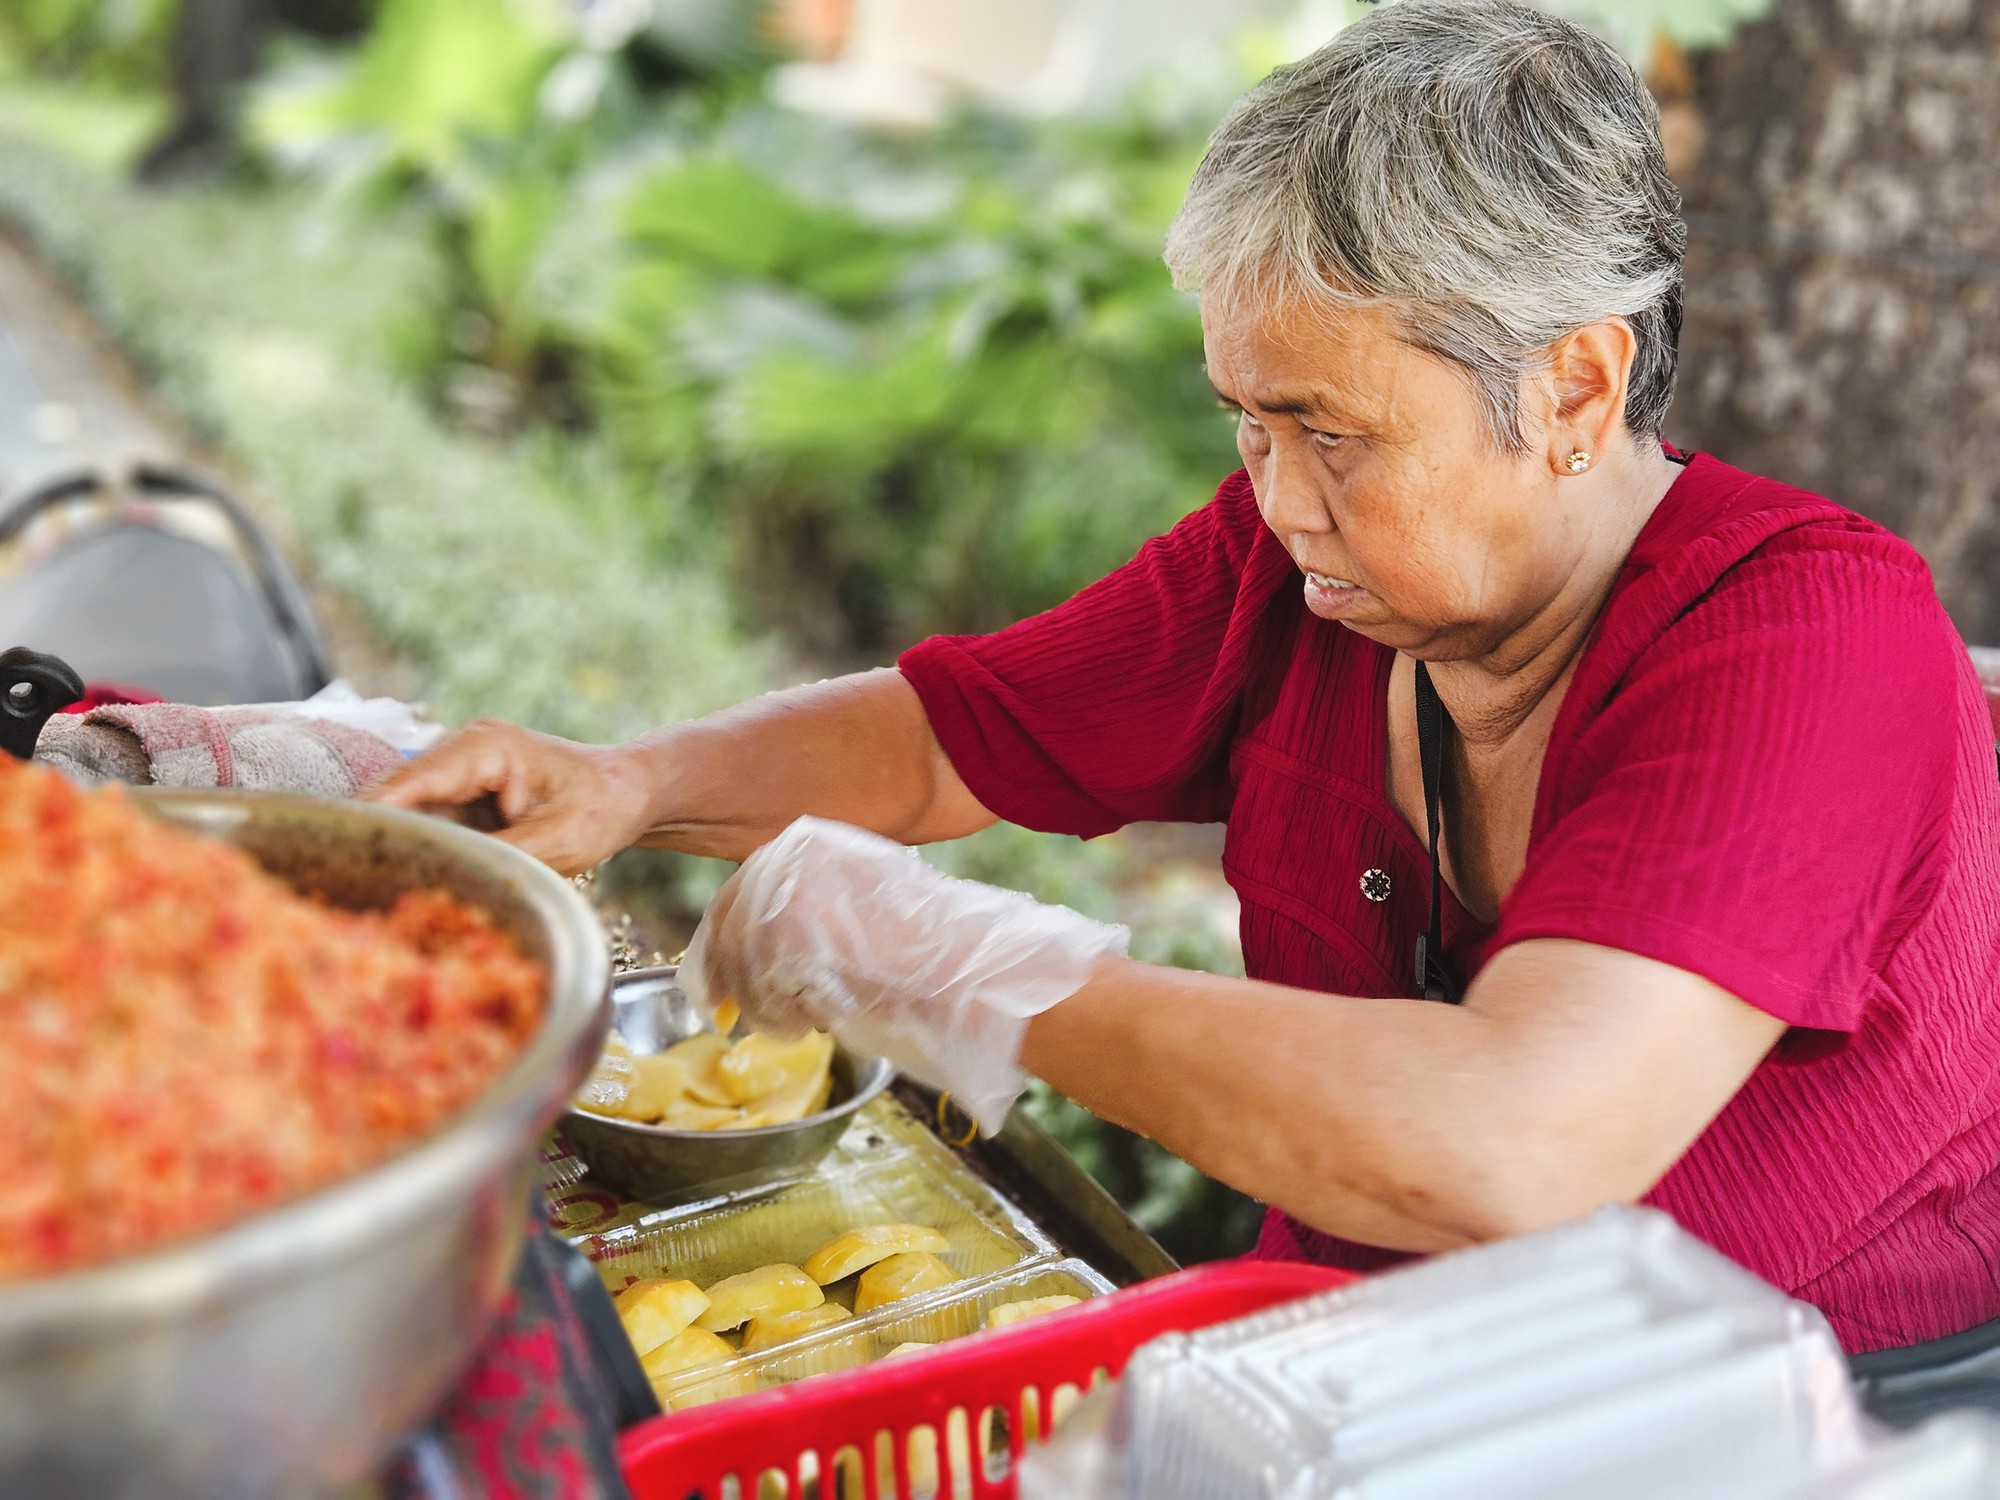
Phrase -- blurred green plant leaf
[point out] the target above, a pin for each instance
(432, 79)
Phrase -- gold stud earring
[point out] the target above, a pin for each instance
(1577, 462)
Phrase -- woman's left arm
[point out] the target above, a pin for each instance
(1572, 1076)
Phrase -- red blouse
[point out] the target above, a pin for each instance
(1773, 768)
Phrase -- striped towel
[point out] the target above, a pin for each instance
(176, 744)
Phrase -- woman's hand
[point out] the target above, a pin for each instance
(832, 927)
(856, 748)
(570, 805)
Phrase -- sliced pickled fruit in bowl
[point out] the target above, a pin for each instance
(802, 1096)
(901, 1276)
(706, 1082)
(760, 1066)
(781, 1328)
(909, 1346)
(690, 1349)
(658, 1084)
(1007, 1314)
(861, 1248)
(690, 1114)
(655, 1311)
(610, 1082)
(701, 1056)
(761, 1293)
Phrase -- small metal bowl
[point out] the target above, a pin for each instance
(650, 1013)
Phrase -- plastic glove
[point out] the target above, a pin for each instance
(832, 927)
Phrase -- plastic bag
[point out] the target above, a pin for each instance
(833, 927)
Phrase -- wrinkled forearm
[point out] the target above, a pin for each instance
(1394, 1123)
(856, 749)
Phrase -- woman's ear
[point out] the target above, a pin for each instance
(1588, 373)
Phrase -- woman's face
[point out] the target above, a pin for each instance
(1372, 465)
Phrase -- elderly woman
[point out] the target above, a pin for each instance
(1609, 824)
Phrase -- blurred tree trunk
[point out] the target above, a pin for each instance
(1843, 323)
(217, 50)
(215, 55)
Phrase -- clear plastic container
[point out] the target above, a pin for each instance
(1755, 1424)
(788, 1226)
(1520, 1280)
(949, 1313)
(1951, 1457)
(1191, 1428)
(1618, 1340)
(888, 1168)
(884, 1134)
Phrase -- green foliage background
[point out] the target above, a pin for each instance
(892, 386)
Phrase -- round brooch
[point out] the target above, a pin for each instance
(1375, 884)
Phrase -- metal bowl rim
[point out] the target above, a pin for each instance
(874, 1074)
(287, 1240)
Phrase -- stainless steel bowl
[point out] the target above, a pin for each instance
(649, 1012)
(287, 1354)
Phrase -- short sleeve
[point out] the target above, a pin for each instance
(1761, 800)
(1116, 706)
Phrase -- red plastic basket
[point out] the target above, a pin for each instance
(955, 1419)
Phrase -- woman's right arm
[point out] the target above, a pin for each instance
(1117, 706)
(856, 749)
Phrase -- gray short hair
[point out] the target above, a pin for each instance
(1493, 172)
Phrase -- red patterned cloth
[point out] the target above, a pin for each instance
(532, 1419)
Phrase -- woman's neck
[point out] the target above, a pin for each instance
(1493, 696)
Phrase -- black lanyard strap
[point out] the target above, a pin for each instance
(1434, 975)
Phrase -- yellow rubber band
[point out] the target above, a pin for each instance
(944, 1124)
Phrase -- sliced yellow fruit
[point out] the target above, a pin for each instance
(760, 1066)
(1007, 1314)
(706, 1082)
(697, 1051)
(687, 1114)
(910, 1346)
(727, 1014)
(901, 1276)
(654, 1311)
(802, 1097)
(659, 1082)
(735, 1300)
(702, 1055)
(610, 1082)
(859, 1249)
(690, 1349)
(780, 1328)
